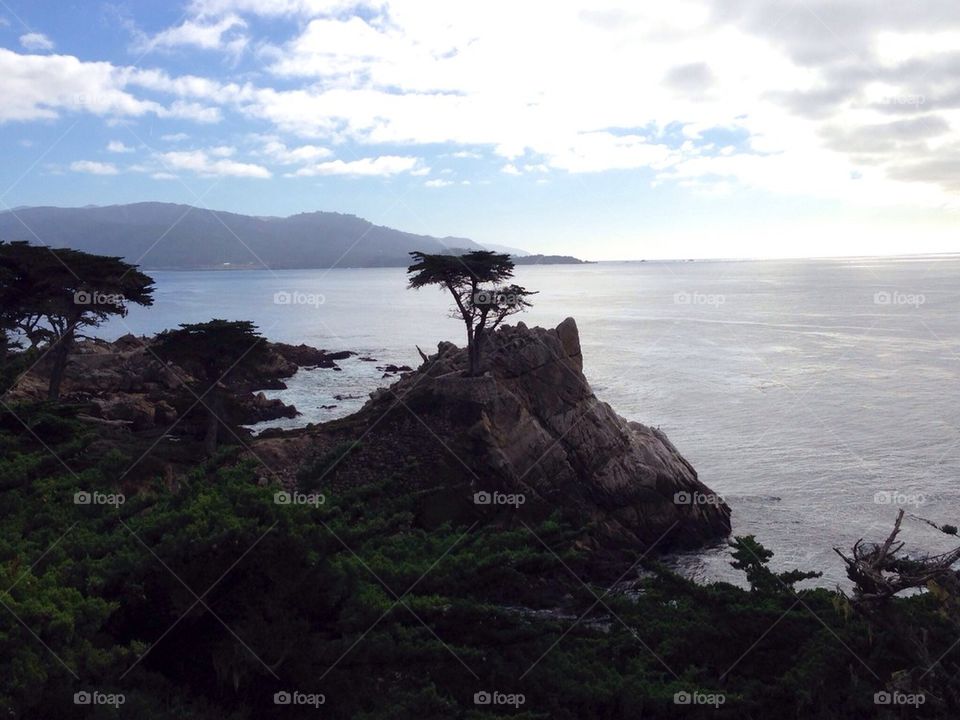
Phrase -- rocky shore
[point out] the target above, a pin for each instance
(123, 383)
(526, 439)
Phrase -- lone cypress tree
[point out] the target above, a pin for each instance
(476, 282)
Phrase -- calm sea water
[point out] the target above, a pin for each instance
(799, 389)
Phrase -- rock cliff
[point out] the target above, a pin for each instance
(525, 439)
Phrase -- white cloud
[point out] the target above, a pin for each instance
(116, 146)
(510, 169)
(184, 86)
(42, 87)
(283, 155)
(200, 33)
(438, 183)
(163, 176)
(174, 137)
(93, 167)
(330, 48)
(384, 165)
(450, 73)
(36, 41)
(278, 8)
(191, 111)
(207, 164)
(222, 151)
(598, 151)
(690, 91)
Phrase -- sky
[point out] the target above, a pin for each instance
(630, 130)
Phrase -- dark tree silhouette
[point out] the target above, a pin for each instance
(476, 282)
(8, 314)
(49, 295)
(211, 352)
(751, 557)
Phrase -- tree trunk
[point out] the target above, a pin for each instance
(471, 356)
(471, 344)
(60, 353)
(214, 411)
(474, 353)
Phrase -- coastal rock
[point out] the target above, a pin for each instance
(529, 426)
(306, 356)
(135, 409)
(258, 408)
(124, 382)
(392, 369)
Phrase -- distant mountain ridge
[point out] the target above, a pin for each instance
(548, 260)
(182, 237)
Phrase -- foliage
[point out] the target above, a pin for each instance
(314, 470)
(212, 352)
(204, 602)
(476, 282)
(49, 295)
(212, 349)
(751, 557)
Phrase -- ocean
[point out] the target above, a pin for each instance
(817, 397)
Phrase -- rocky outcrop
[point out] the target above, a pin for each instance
(123, 383)
(537, 429)
(526, 439)
(307, 356)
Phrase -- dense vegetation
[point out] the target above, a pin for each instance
(205, 599)
(210, 352)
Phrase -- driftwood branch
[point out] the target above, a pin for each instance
(879, 571)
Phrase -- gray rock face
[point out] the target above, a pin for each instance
(124, 383)
(531, 424)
